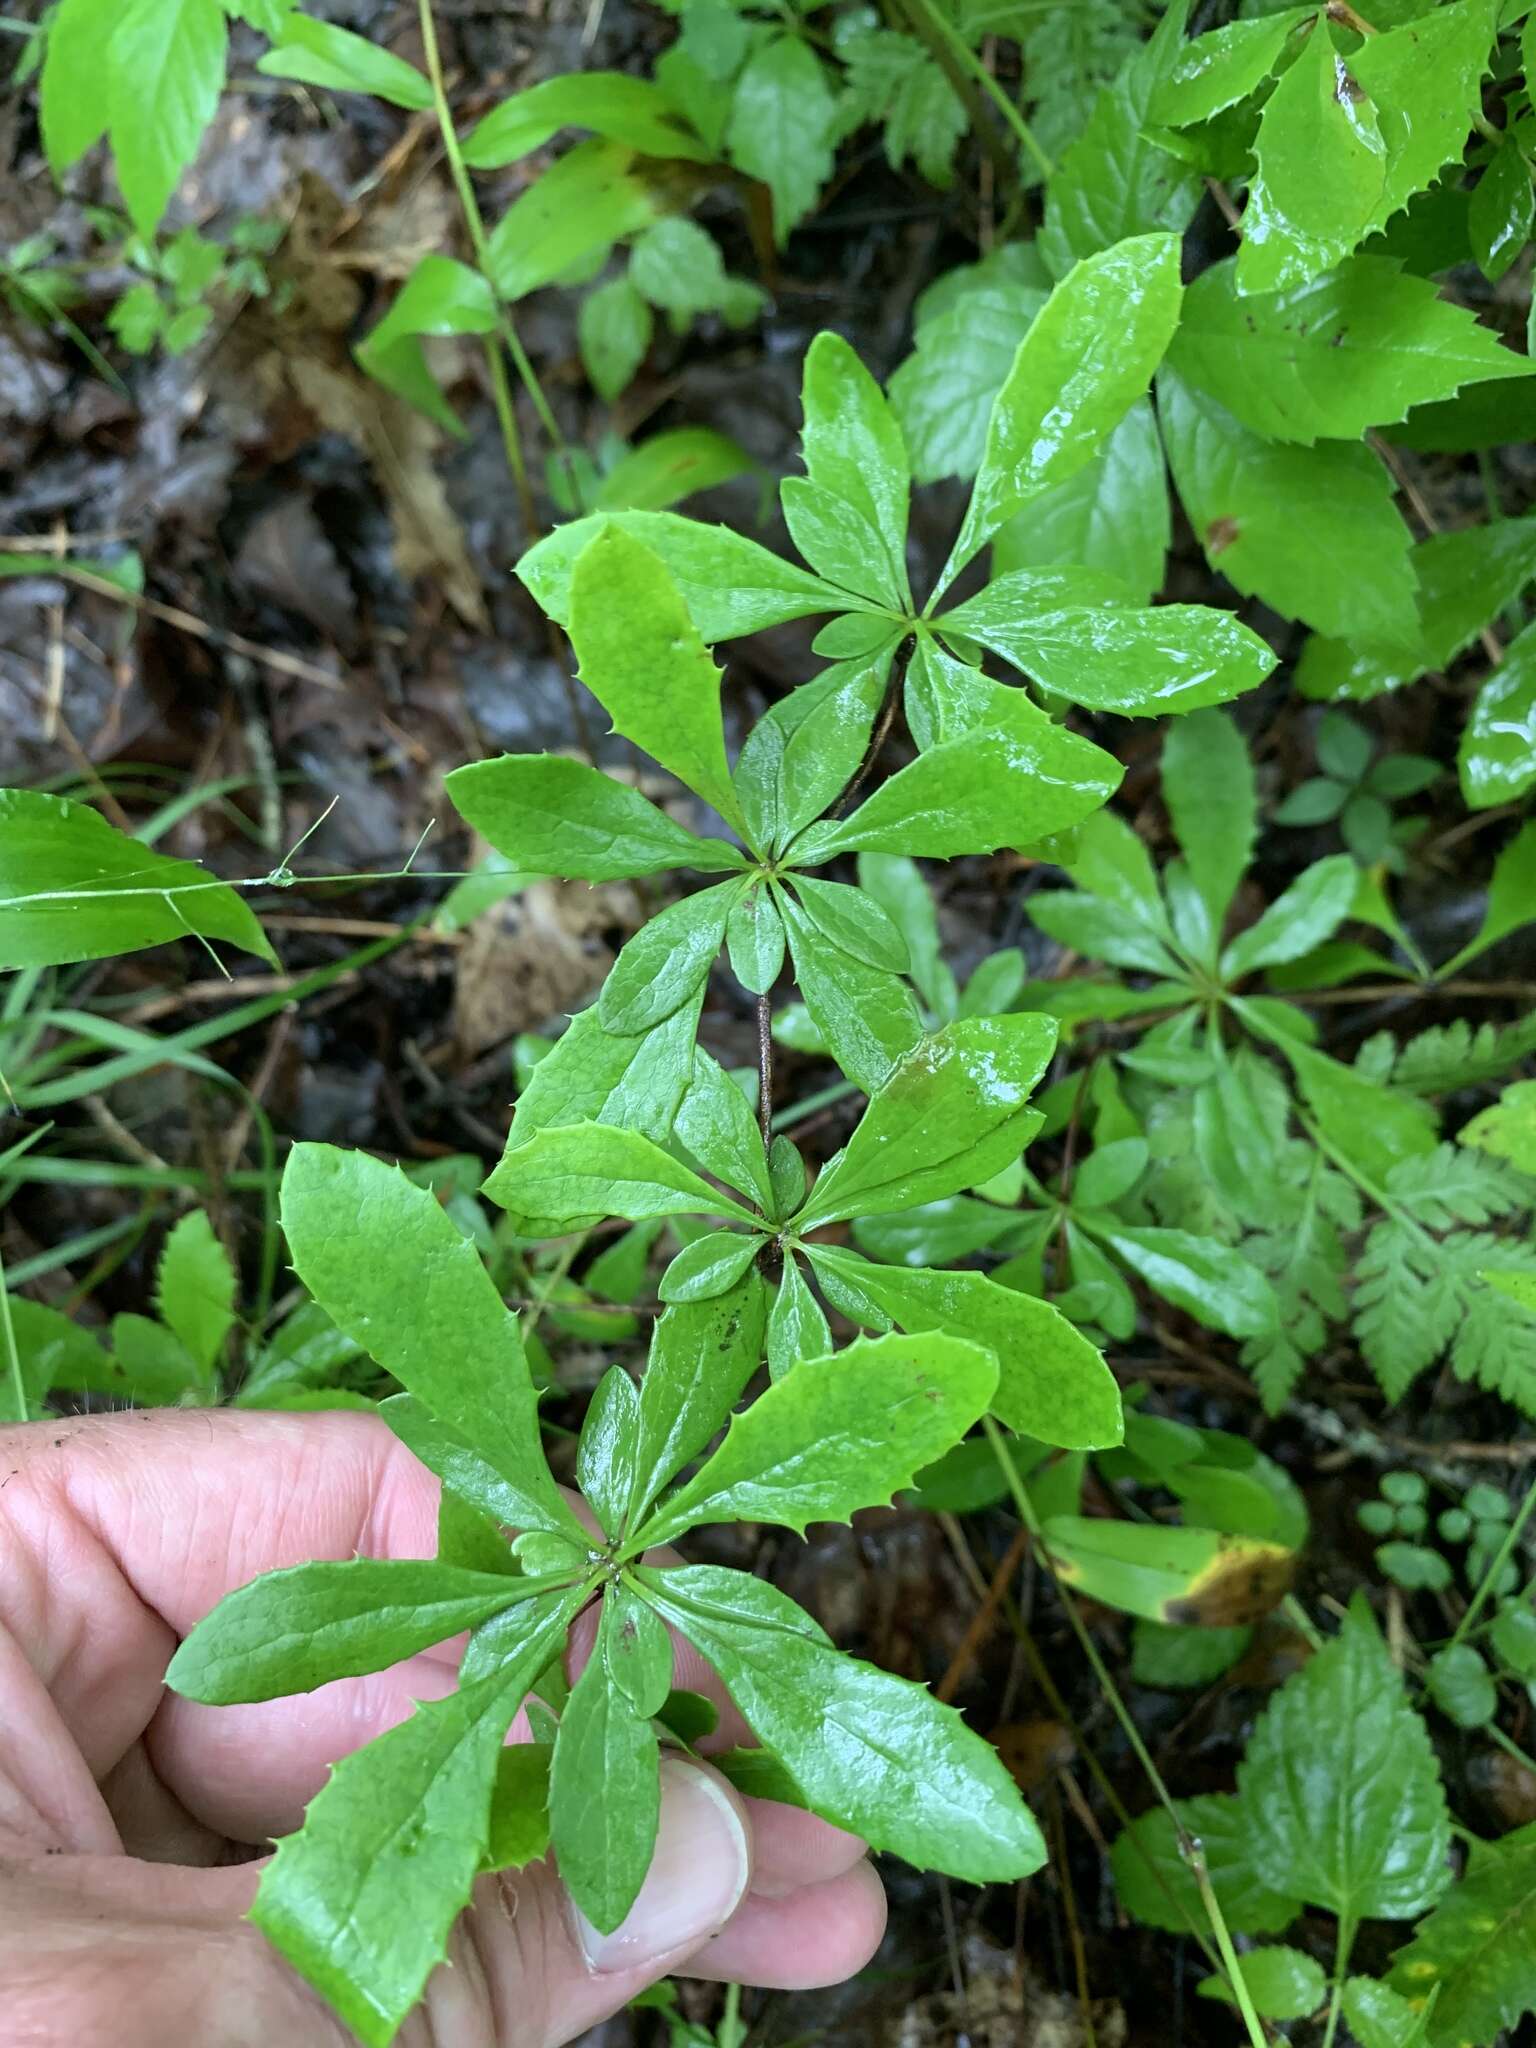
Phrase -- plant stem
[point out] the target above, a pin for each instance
(506, 335)
(1496, 1565)
(1342, 1947)
(1194, 1856)
(884, 719)
(966, 57)
(765, 1069)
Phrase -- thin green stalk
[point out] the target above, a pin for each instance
(1003, 1451)
(1345, 1942)
(16, 1386)
(967, 58)
(1195, 1857)
(1501, 1557)
(506, 334)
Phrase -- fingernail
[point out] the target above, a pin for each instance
(698, 1875)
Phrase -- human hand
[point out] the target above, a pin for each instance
(126, 1812)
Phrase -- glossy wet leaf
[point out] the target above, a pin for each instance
(1211, 1281)
(720, 1128)
(552, 816)
(1155, 1882)
(599, 1076)
(781, 126)
(875, 1754)
(1354, 349)
(290, 1631)
(852, 920)
(953, 1113)
(1013, 781)
(797, 1326)
(1215, 70)
(394, 1272)
(754, 940)
(1052, 1384)
(837, 1434)
(1322, 168)
(72, 887)
(605, 1448)
(1425, 78)
(1083, 643)
(604, 1797)
(1497, 756)
(1282, 1983)
(1474, 1950)
(362, 1900)
(708, 1266)
(1112, 515)
(1328, 1822)
(1088, 357)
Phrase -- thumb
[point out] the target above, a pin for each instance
(547, 1974)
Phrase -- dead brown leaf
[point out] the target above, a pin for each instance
(536, 956)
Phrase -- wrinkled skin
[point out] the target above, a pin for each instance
(128, 1815)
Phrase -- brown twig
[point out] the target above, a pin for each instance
(883, 722)
(981, 1621)
(765, 1069)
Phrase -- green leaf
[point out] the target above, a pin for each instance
(604, 1798)
(551, 816)
(730, 585)
(872, 1753)
(1156, 1884)
(1014, 780)
(393, 1271)
(836, 1434)
(1327, 1821)
(797, 1328)
(195, 1288)
(641, 658)
(943, 393)
(613, 330)
(1497, 756)
(1117, 179)
(854, 921)
(1112, 515)
(866, 1017)
(1511, 893)
(1380, 2018)
(1474, 1950)
(897, 885)
(1216, 70)
(440, 296)
(1311, 531)
(1461, 1686)
(1209, 1280)
(1426, 81)
(362, 1899)
(952, 1114)
(605, 1447)
(670, 467)
(319, 53)
(1282, 1983)
(1209, 790)
(72, 118)
(1502, 210)
(1069, 630)
(721, 1130)
(572, 215)
(678, 267)
(802, 752)
(853, 450)
(781, 127)
(518, 1832)
(1184, 1657)
(72, 887)
(289, 1631)
(594, 1076)
(583, 1172)
(702, 1355)
(1322, 169)
(636, 1651)
(1300, 918)
(1179, 1576)
(51, 1351)
(1328, 359)
(1052, 1383)
(708, 1266)
(754, 939)
(1374, 1127)
(1088, 357)
(164, 72)
(667, 961)
(610, 103)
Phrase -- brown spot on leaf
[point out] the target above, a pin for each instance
(1242, 1582)
(1220, 535)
